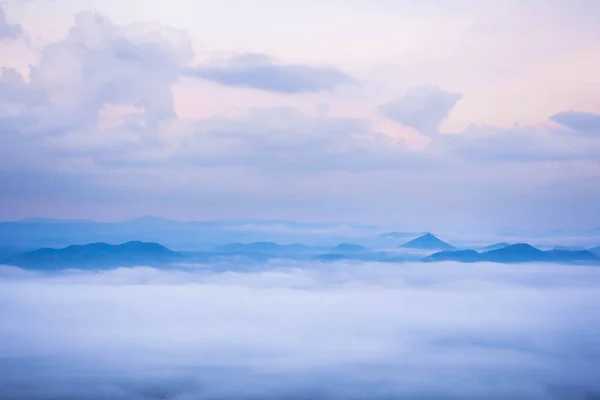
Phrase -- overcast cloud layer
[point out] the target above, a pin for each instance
(427, 331)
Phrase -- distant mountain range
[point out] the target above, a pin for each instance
(96, 255)
(427, 241)
(516, 253)
(137, 253)
(104, 255)
(190, 235)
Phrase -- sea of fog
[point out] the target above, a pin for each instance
(302, 331)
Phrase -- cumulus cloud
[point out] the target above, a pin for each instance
(297, 330)
(583, 122)
(8, 31)
(100, 63)
(103, 88)
(422, 108)
(259, 71)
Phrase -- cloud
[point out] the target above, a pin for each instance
(100, 63)
(583, 122)
(284, 140)
(102, 96)
(517, 144)
(422, 108)
(7, 30)
(95, 120)
(260, 72)
(104, 87)
(302, 330)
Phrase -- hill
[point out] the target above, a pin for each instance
(520, 252)
(95, 255)
(516, 253)
(427, 242)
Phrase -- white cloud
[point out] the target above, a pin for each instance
(422, 108)
(322, 331)
(8, 31)
(258, 71)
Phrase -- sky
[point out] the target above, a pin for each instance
(424, 114)
(303, 330)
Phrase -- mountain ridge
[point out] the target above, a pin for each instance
(94, 254)
(516, 253)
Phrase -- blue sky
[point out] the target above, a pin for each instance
(482, 114)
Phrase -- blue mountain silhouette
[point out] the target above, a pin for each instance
(516, 253)
(95, 255)
(427, 241)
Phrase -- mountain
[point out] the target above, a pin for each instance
(95, 255)
(495, 246)
(516, 253)
(520, 252)
(348, 248)
(427, 242)
(596, 251)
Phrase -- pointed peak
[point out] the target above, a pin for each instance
(428, 241)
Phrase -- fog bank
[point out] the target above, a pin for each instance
(303, 330)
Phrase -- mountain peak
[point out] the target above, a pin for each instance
(428, 241)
